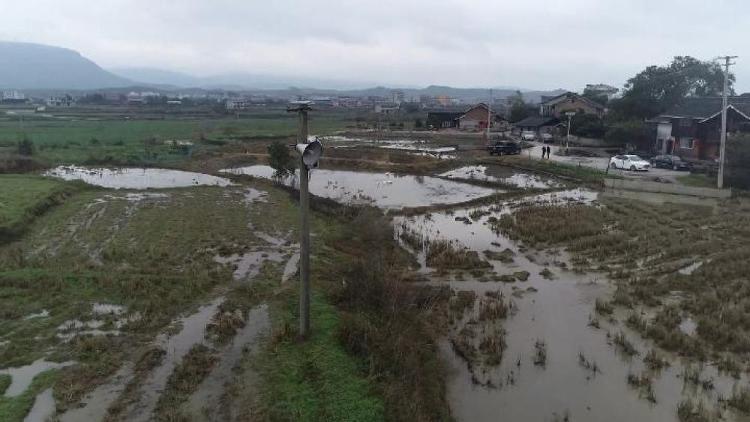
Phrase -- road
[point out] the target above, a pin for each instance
(601, 163)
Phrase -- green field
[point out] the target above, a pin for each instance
(139, 141)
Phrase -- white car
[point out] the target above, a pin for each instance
(629, 162)
(546, 137)
(528, 135)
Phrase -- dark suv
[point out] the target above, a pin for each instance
(504, 148)
(670, 162)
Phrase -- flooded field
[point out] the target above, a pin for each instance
(136, 178)
(503, 175)
(526, 342)
(385, 190)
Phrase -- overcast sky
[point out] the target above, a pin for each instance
(533, 44)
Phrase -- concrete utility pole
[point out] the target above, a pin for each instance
(722, 150)
(304, 204)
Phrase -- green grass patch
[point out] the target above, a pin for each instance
(317, 379)
(578, 172)
(697, 180)
(23, 197)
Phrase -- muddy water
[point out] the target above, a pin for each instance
(43, 408)
(500, 174)
(136, 178)
(384, 190)
(556, 312)
(206, 402)
(22, 376)
(94, 406)
(248, 264)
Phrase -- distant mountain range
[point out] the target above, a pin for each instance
(42, 67)
(36, 66)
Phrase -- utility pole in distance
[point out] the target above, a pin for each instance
(723, 146)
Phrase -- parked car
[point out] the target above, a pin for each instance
(528, 135)
(546, 137)
(670, 162)
(504, 148)
(629, 162)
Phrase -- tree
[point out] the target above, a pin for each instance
(630, 132)
(519, 110)
(280, 159)
(587, 125)
(596, 97)
(738, 161)
(658, 88)
(26, 147)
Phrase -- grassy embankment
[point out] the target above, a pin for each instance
(23, 198)
(582, 174)
(366, 320)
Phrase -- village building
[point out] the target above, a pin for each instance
(476, 118)
(569, 102)
(538, 125)
(692, 129)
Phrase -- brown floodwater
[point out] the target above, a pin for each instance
(556, 312)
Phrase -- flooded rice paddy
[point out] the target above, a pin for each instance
(136, 178)
(385, 190)
(558, 360)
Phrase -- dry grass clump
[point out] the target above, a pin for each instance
(654, 361)
(443, 255)
(602, 307)
(492, 309)
(693, 411)
(624, 345)
(740, 398)
(551, 224)
(540, 353)
(463, 300)
(644, 385)
(506, 256)
(521, 275)
(492, 346)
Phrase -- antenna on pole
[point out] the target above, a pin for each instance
(723, 145)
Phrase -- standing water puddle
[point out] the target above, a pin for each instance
(43, 408)
(499, 174)
(21, 377)
(553, 309)
(385, 190)
(136, 178)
